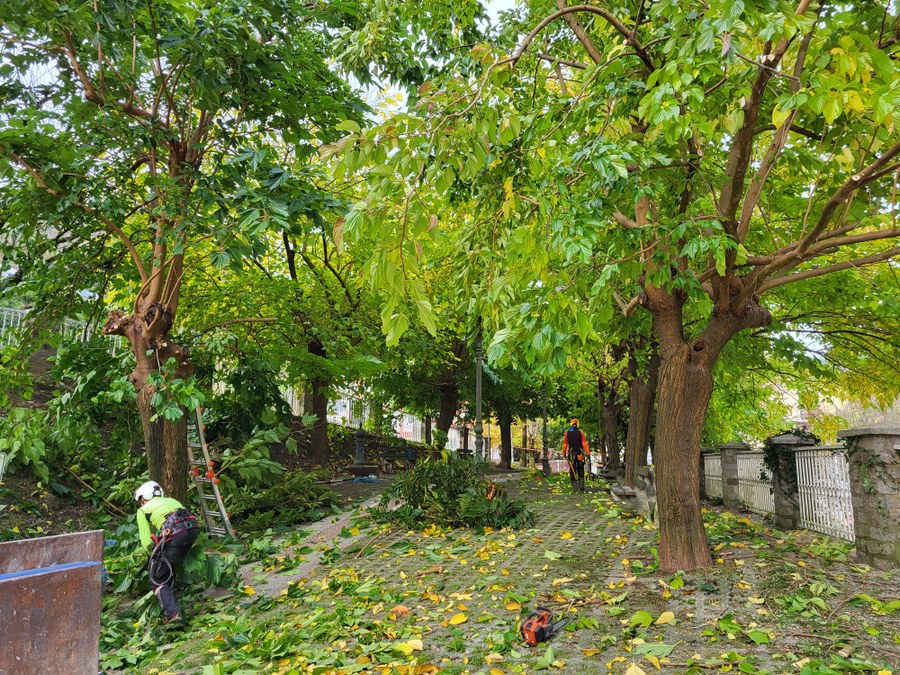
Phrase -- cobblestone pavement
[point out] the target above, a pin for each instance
(465, 592)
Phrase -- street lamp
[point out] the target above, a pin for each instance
(545, 460)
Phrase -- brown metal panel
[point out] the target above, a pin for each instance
(29, 554)
(51, 622)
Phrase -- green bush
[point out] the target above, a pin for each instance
(453, 493)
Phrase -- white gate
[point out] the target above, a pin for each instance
(712, 474)
(823, 481)
(755, 483)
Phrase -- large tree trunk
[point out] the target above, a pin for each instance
(611, 429)
(165, 441)
(641, 398)
(166, 445)
(505, 441)
(319, 433)
(685, 387)
(449, 402)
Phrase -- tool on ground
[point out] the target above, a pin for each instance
(539, 626)
(215, 518)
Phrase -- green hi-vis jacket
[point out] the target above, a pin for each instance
(157, 509)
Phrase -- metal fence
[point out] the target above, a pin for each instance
(712, 475)
(823, 481)
(755, 483)
(12, 320)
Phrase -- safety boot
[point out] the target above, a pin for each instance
(581, 484)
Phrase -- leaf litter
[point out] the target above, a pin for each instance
(452, 601)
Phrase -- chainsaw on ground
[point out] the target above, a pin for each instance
(539, 626)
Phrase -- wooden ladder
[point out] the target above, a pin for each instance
(215, 518)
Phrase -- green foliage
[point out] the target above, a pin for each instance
(453, 493)
(22, 434)
(294, 498)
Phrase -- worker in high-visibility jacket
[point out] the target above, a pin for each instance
(175, 533)
(575, 449)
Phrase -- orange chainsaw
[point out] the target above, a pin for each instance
(539, 626)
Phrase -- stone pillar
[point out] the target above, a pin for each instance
(731, 497)
(784, 480)
(873, 455)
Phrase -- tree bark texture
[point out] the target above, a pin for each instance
(506, 442)
(449, 402)
(165, 441)
(641, 399)
(166, 444)
(611, 429)
(319, 433)
(685, 387)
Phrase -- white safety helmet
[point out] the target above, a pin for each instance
(148, 491)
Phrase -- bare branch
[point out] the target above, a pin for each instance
(828, 269)
(609, 16)
(625, 221)
(580, 33)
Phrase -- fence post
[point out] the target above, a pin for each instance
(702, 472)
(784, 480)
(731, 496)
(873, 455)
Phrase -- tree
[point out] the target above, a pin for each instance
(707, 153)
(126, 124)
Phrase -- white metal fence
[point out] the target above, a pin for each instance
(755, 483)
(712, 475)
(12, 320)
(823, 482)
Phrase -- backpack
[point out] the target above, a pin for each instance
(573, 440)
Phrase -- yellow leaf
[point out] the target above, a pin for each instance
(493, 657)
(514, 606)
(249, 590)
(504, 571)
(756, 600)
(488, 530)
(402, 574)
(635, 669)
(566, 535)
(416, 644)
(461, 606)
(458, 619)
(496, 671)
(652, 659)
(404, 648)
(563, 580)
(591, 652)
(625, 561)
(884, 671)
(665, 617)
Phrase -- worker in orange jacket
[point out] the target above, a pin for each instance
(575, 450)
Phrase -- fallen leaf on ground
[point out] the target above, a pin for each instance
(457, 619)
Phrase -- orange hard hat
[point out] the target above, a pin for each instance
(574, 422)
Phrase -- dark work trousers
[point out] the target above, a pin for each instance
(576, 470)
(162, 577)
